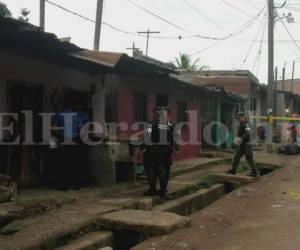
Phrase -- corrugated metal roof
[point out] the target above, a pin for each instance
(110, 59)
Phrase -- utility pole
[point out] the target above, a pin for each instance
(42, 15)
(293, 75)
(98, 24)
(133, 48)
(148, 32)
(270, 100)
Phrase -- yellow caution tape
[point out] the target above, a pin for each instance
(277, 118)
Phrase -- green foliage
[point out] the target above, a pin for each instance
(24, 15)
(4, 11)
(243, 167)
(185, 62)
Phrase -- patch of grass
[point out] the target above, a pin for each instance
(224, 161)
(243, 167)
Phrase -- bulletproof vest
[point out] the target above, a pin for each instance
(244, 130)
(160, 134)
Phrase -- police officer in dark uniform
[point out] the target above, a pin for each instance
(159, 144)
(244, 146)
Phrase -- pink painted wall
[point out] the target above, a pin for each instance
(129, 84)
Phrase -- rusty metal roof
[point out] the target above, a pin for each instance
(110, 59)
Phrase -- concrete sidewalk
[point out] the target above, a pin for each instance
(262, 215)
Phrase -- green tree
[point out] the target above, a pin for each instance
(24, 15)
(184, 61)
(4, 11)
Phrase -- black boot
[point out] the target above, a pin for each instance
(150, 192)
(163, 194)
(253, 173)
(231, 171)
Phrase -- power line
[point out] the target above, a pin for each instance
(237, 9)
(130, 32)
(202, 14)
(258, 55)
(252, 4)
(155, 15)
(287, 30)
(114, 27)
(240, 30)
(253, 41)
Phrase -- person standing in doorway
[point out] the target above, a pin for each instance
(243, 141)
(65, 128)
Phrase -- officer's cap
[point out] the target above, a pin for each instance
(165, 108)
(241, 114)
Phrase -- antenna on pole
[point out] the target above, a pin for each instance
(148, 32)
(133, 48)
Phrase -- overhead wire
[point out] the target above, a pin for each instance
(258, 55)
(202, 14)
(240, 30)
(131, 32)
(157, 16)
(287, 30)
(253, 41)
(252, 4)
(236, 8)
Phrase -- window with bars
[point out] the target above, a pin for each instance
(140, 107)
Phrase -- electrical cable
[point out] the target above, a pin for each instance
(287, 30)
(240, 30)
(202, 14)
(258, 55)
(237, 9)
(157, 16)
(253, 41)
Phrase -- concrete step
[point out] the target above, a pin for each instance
(235, 179)
(10, 211)
(189, 204)
(193, 165)
(146, 222)
(189, 166)
(47, 230)
(91, 241)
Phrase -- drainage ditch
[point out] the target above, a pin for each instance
(184, 202)
(125, 240)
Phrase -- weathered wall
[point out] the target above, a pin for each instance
(16, 65)
(151, 87)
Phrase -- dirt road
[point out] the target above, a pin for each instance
(262, 215)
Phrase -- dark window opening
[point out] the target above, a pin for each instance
(111, 105)
(140, 107)
(162, 100)
(182, 112)
(253, 104)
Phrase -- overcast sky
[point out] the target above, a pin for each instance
(212, 18)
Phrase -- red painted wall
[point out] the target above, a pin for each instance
(126, 88)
